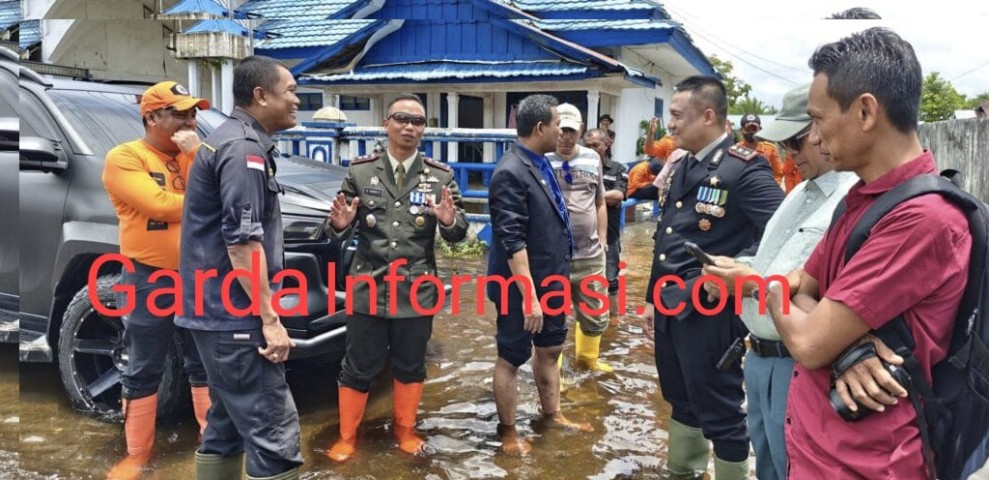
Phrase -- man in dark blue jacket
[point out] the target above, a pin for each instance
(525, 198)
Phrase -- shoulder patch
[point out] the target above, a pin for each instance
(365, 159)
(742, 152)
(434, 163)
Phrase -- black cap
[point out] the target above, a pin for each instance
(606, 117)
(750, 118)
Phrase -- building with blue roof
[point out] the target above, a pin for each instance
(470, 60)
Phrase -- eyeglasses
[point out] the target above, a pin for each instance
(184, 115)
(405, 119)
(567, 176)
(178, 182)
(794, 144)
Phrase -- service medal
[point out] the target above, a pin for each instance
(704, 224)
(420, 221)
(370, 220)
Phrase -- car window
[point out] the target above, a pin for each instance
(105, 120)
(34, 121)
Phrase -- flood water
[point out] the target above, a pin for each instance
(457, 413)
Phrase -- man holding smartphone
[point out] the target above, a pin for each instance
(720, 197)
(791, 234)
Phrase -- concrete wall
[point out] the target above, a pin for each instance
(964, 146)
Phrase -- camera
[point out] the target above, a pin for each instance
(847, 360)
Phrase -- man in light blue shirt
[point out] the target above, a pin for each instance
(790, 236)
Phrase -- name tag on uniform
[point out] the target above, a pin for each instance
(372, 191)
(609, 178)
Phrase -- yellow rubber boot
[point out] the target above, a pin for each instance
(407, 396)
(351, 405)
(200, 405)
(588, 350)
(139, 428)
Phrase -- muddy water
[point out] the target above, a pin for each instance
(457, 413)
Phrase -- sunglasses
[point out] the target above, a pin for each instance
(567, 176)
(795, 143)
(405, 119)
(177, 181)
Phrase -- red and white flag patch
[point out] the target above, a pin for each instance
(255, 162)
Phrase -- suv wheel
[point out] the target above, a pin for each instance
(92, 357)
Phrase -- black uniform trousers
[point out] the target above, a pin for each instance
(253, 409)
(702, 396)
(372, 341)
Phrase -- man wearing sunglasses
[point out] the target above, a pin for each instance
(396, 200)
(145, 180)
(578, 171)
(751, 126)
(790, 236)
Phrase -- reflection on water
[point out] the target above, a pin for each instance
(457, 411)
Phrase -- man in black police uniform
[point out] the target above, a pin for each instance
(397, 200)
(719, 197)
(231, 215)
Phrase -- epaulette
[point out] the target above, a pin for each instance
(366, 158)
(742, 152)
(208, 146)
(434, 163)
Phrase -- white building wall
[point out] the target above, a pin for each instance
(634, 106)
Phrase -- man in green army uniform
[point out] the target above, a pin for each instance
(396, 199)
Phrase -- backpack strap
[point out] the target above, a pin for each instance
(895, 333)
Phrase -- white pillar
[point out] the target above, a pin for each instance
(453, 103)
(227, 87)
(336, 100)
(194, 78)
(377, 116)
(215, 88)
(489, 150)
(593, 96)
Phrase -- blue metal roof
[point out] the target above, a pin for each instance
(30, 33)
(312, 33)
(10, 14)
(551, 5)
(198, 6)
(292, 9)
(218, 26)
(445, 71)
(566, 25)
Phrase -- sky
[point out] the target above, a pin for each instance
(769, 41)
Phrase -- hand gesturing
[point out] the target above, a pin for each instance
(343, 213)
(446, 210)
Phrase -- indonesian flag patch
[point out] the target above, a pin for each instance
(255, 162)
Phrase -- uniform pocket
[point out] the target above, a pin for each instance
(235, 358)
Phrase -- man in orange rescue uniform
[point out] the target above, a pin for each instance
(145, 179)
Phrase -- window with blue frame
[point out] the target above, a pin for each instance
(310, 101)
(350, 102)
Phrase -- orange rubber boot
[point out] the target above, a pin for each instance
(407, 396)
(352, 403)
(200, 404)
(139, 428)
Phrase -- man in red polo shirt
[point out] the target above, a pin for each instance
(864, 102)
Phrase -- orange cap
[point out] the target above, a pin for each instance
(170, 94)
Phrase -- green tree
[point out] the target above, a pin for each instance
(735, 86)
(751, 105)
(973, 102)
(939, 99)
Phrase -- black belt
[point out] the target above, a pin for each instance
(768, 348)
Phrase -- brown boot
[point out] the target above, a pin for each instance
(139, 428)
(407, 396)
(201, 404)
(352, 403)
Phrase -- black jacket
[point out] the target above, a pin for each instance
(524, 215)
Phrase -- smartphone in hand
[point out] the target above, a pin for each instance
(697, 253)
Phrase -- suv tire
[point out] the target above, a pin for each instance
(91, 359)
